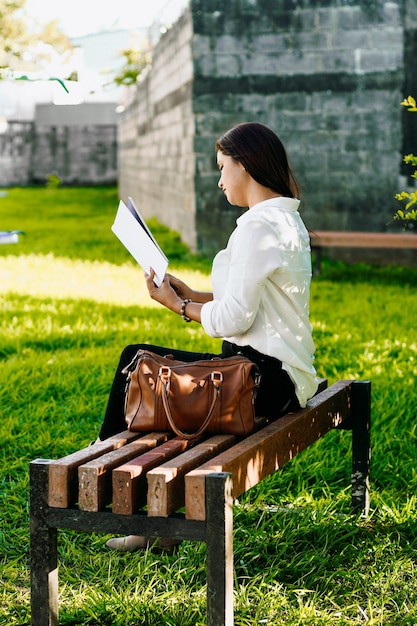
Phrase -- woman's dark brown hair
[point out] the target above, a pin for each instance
(262, 154)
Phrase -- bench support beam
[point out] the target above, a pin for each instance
(361, 445)
(43, 550)
(219, 540)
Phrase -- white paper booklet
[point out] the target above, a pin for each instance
(9, 236)
(130, 227)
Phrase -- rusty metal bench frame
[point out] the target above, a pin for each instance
(346, 405)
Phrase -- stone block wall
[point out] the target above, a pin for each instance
(327, 75)
(15, 154)
(83, 155)
(78, 143)
(157, 134)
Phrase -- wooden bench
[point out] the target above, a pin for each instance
(104, 488)
(320, 239)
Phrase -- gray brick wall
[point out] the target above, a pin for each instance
(328, 78)
(15, 154)
(156, 136)
(77, 143)
(327, 75)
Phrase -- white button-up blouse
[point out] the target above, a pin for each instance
(261, 290)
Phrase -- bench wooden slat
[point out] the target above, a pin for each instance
(129, 480)
(166, 491)
(63, 484)
(352, 239)
(94, 477)
(267, 450)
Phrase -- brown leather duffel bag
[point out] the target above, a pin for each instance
(215, 395)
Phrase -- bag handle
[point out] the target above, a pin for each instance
(216, 379)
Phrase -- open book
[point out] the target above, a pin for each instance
(130, 227)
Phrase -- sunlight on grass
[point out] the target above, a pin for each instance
(300, 557)
(44, 276)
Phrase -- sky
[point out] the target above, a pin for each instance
(78, 18)
(82, 17)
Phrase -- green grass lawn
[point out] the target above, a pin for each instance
(71, 299)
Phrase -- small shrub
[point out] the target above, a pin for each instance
(53, 181)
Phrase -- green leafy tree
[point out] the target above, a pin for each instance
(22, 41)
(136, 59)
(13, 32)
(408, 199)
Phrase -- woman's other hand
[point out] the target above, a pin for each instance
(165, 294)
(183, 290)
(186, 293)
(168, 297)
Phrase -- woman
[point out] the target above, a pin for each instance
(261, 285)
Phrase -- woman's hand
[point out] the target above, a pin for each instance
(183, 290)
(165, 294)
(186, 293)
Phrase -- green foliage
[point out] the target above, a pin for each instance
(136, 59)
(20, 36)
(409, 199)
(12, 30)
(53, 181)
(410, 103)
(300, 557)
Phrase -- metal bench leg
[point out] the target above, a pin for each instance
(43, 551)
(219, 541)
(361, 445)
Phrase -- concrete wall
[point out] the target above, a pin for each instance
(327, 75)
(156, 136)
(16, 154)
(77, 143)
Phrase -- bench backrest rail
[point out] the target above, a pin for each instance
(351, 239)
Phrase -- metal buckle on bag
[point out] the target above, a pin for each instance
(165, 373)
(216, 378)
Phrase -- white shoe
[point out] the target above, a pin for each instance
(138, 542)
